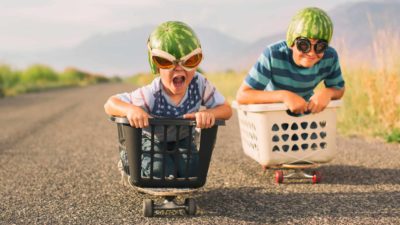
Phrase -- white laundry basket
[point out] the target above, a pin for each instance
(273, 137)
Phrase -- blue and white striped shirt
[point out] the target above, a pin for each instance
(276, 70)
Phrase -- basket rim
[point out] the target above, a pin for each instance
(164, 121)
(274, 106)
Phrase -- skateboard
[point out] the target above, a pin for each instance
(129, 140)
(169, 203)
(297, 171)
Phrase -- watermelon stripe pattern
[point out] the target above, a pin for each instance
(174, 37)
(310, 23)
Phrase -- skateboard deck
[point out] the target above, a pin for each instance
(300, 166)
(166, 191)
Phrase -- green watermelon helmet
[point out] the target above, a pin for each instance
(173, 40)
(312, 23)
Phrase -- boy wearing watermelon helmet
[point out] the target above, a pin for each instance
(174, 51)
(288, 71)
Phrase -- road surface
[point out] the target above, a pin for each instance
(58, 165)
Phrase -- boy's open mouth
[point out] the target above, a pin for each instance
(179, 81)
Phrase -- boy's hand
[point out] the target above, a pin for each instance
(204, 119)
(319, 100)
(295, 103)
(137, 117)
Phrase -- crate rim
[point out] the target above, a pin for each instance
(274, 106)
(164, 121)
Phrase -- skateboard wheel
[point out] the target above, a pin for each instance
(190, 204)
(279, 176)
(316, 177)
(148, 208)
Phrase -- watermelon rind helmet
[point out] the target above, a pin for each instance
(311, 22)
(174, 38)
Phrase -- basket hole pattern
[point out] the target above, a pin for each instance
(286, 148)
(253, 146)
(275, 127)
(285, 137)
(294, 126)
(249, 134)
(249, 125)
(295, 147)
(305, 135)
(314, 136)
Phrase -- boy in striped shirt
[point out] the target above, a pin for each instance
(288, 71)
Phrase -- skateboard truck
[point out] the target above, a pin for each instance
(298, 172)
(315, 176)
(169, 204)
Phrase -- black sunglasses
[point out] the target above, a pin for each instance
(304, 45)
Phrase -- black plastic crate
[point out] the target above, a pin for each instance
(130, 139)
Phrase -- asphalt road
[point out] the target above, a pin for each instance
(58, 165)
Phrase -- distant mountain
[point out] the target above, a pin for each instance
(219, 49)
(358, 25)
(251, 52)
(356, 28)
(125, 53)
(119, 52)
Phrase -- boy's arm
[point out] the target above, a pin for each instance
(336, 93)
(248, 95)
(206, 118)
(115, 107)
(321, 98)
(223, 111)
(137, 116)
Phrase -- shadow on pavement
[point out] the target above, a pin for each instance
(359, 175)
(257, 205)
(344, 174)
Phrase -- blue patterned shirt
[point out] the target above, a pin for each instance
(153, 99)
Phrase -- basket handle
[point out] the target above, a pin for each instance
(290, 113)
(165, 121)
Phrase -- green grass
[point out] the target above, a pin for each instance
(370, 104)
(227, 82)
(394, 136)
(372, 98)
(40, 77)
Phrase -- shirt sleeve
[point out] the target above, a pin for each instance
(211, 97)
(259, 75)
(335, 78)
(137, 98)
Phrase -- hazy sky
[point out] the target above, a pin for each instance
(44, 24)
